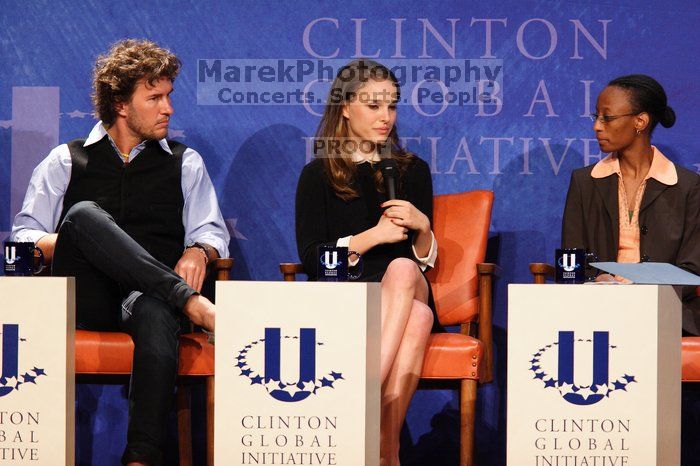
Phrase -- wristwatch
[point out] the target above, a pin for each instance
(202, 248)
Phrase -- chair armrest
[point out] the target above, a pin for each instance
(221, 267)
(488, 268)
(290, 270)
(541, 271)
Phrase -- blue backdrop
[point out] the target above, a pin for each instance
(556, 57)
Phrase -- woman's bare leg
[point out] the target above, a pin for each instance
(406, 324)
(402, 283)
(402, 381)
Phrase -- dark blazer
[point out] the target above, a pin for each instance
(669, 221)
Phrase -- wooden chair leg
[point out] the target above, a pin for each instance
(210, 420)
(184, 424)
(467, 407)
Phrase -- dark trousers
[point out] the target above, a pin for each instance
(108, 264)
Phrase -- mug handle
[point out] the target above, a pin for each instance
(352, 276)
(42, 266)
(591, 257)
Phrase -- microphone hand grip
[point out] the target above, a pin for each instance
(389, 169)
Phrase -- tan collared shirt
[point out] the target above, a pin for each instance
(662, 170)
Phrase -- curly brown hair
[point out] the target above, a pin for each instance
(117, 72)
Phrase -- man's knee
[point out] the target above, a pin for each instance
(78, 225)
(83, 211)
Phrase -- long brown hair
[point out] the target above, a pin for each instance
(339, 166)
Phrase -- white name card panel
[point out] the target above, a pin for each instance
(594, 375)
(297, 373)
(37, 380)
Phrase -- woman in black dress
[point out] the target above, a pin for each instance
(341, 201)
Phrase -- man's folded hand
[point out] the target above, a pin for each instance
(192, 267)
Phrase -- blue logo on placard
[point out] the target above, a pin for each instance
(599, 388)
(270, 378)
(10, 377)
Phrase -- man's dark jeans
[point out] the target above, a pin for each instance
(108, 264)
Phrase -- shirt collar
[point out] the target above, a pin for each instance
(98, 132)
(358, 158)
(662, 169)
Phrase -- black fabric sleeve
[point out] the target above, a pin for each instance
(572, 228)
(419, 192)
(689, 252)
(419, 188)
(311, 217)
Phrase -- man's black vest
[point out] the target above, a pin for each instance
(144, 196)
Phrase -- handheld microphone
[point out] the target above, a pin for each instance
(389, 169)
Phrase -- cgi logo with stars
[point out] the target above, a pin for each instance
(541, 365)
(10, 377)
(267, 352)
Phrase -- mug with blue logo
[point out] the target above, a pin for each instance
(22, 259)
(571, 265)
(333, 264)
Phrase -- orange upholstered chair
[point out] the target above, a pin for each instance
(690, 346)
(462, 288)
(690, 357)
(107, 356)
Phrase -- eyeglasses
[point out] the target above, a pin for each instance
(607, 118)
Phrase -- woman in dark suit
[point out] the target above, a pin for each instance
(341, 201)
(635, 205)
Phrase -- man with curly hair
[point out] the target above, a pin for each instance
(134, 217)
